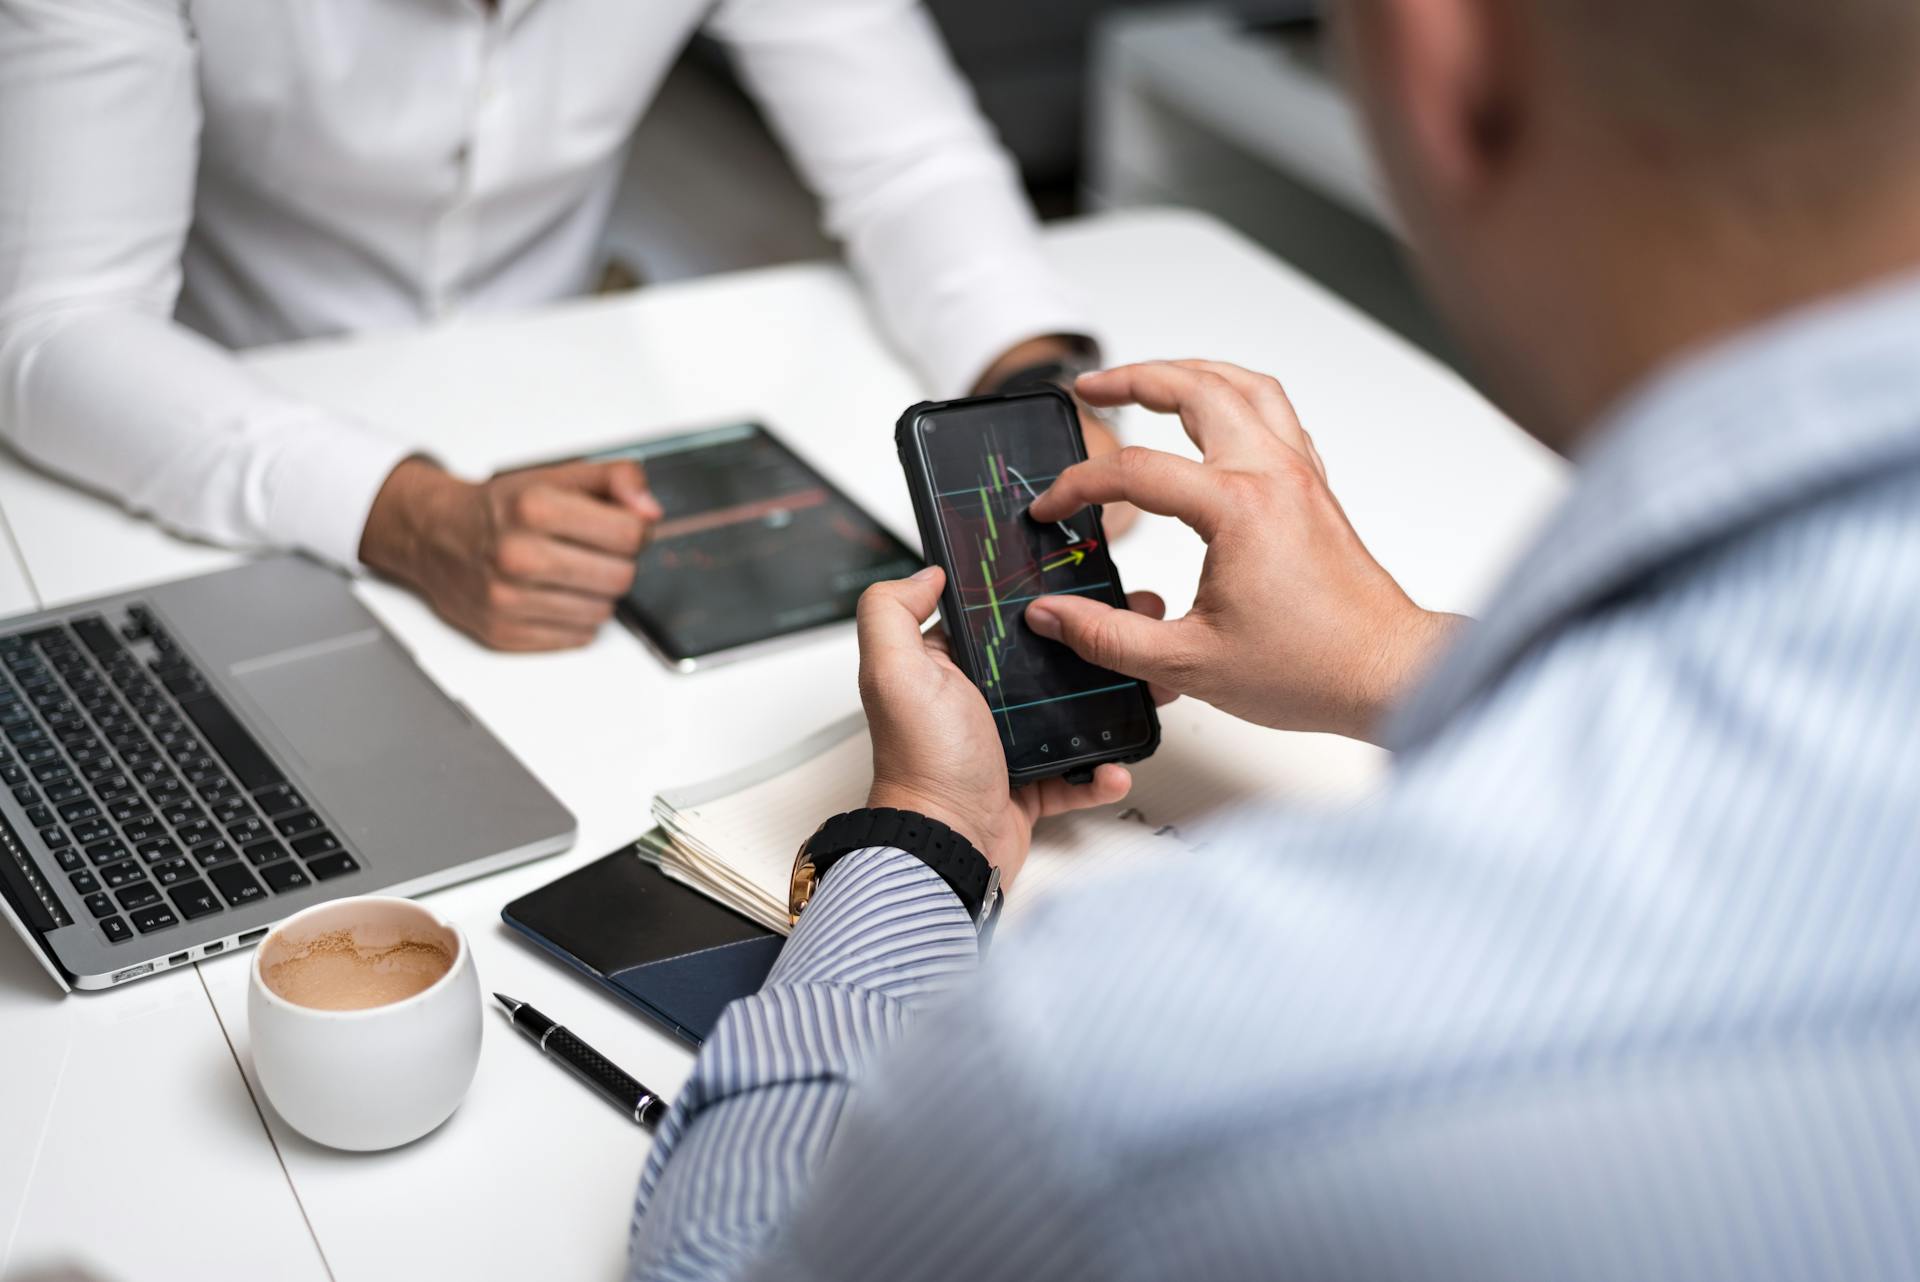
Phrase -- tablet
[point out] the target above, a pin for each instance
(756, 548)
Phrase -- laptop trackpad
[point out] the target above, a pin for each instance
(386, 752)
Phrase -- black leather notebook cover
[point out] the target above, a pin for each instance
(671, 953)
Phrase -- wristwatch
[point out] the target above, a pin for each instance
(939, 847)
(1060, 372)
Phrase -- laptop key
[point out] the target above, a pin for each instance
(264, 852)
(194, 899)
(117, 931)
(70, 860)
(83, 881)
(55, 837)
(63, 792)
(106, 852)
(171, 872)
(40, 816)
(284, 876)
(217, 791)
(197, 833)
(278, 800)
(236, 885)
(99, 905)
(75, 811)
(231, 810)
(154, 917)
(121, 874)
(293, 825)
(157, 849)
(247, 829)
(145, 828)
(96, 636)
(214, 852)
(182, 812)
(128, 809)
(316, 843)
(336, 864)
(12, 773)
(26, 794)
(91, 831)
(138, 895)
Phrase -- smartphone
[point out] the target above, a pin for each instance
(973, 467)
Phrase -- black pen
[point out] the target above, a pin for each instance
(588, 1064)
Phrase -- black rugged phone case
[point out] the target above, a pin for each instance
(933, 550)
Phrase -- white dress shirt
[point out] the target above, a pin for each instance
(265, 170)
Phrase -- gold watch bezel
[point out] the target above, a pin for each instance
(802, 885)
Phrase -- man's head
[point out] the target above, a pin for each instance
(1592, 185)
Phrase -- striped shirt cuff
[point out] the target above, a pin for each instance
(884, 922)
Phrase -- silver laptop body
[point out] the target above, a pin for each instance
(187, 763)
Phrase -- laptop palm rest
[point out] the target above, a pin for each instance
(390, 756)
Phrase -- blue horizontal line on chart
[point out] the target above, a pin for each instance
(1016, 600)
(1060, 698)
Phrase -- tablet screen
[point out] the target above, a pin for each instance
(755, 544)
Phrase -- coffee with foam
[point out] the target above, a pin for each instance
(336, 971)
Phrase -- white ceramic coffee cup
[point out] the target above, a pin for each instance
(378, 1076)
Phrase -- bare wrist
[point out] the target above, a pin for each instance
(1407, 652)
(400, 518)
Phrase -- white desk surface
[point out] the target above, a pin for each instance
(130, 1145)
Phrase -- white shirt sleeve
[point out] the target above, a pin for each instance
(885, 130)
(99, 130)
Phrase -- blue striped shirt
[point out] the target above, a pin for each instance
(1619, 977)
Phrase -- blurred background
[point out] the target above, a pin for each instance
(1232, 106)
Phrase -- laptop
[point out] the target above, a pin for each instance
(183, 765)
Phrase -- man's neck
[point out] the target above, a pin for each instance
(1673, 295)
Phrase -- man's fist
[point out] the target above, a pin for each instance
(529, 560)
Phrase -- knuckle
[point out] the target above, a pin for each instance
(633, 534)
(1297, 473)
(519, 558)
(502, 597)
(1103, 640)
(529, 506)
(1135, 460)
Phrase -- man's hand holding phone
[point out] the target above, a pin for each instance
(936, 750)
(1295, 624)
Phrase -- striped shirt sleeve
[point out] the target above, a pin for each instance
(883, 935)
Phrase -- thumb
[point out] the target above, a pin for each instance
(1128, 643)
(891, 613)
(625, 482)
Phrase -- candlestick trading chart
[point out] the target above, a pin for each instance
(1049, 703)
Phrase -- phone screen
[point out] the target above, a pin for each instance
(985, 462)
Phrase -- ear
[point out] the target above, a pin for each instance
(1446, 83)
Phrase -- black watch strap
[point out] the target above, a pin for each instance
(939, 847)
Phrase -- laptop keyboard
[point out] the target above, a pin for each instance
(142, 785)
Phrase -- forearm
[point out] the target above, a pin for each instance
(157, 417)
(750, 1130)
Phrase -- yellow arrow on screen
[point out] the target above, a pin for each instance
(1074, 557)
